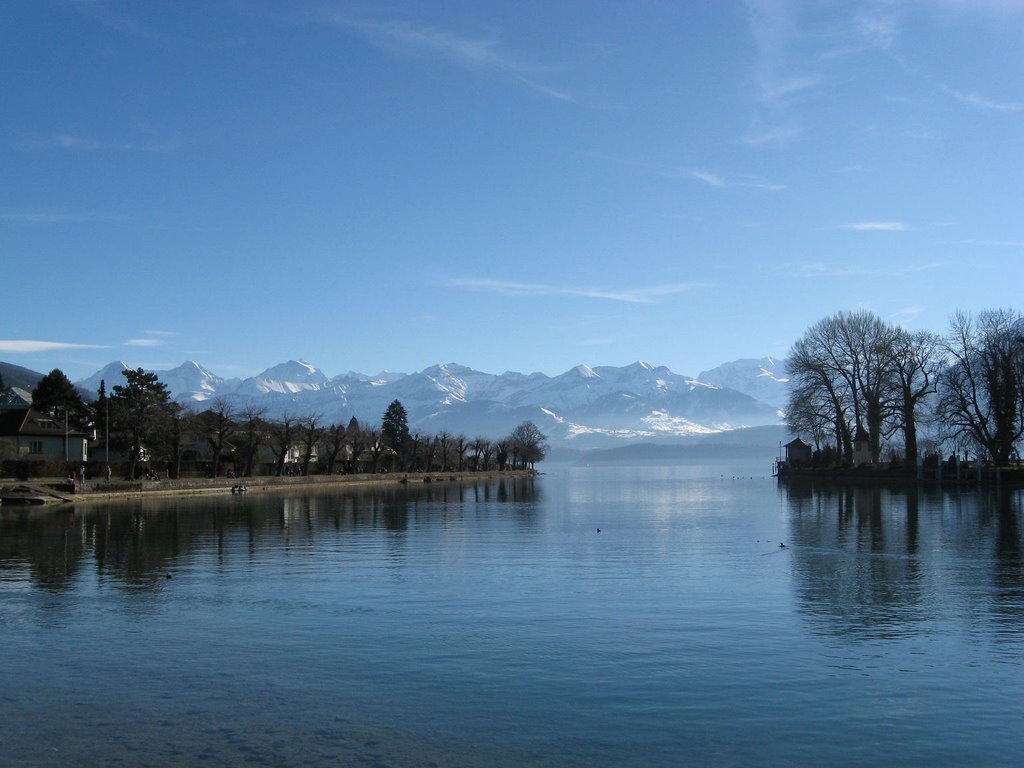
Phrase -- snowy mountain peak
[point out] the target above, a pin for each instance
(191, 381)
(294, 370)
(287, 378)
(585, 372)
(762, 378)
(456, 368)
(191, 367)
(110, 375)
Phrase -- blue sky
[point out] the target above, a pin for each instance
(527, 186)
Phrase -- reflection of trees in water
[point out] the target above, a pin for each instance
(869, 563)
(855, 560)
(1008, 578)
(136, 544)
(48, 545)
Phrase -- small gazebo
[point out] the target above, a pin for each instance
(798, 453)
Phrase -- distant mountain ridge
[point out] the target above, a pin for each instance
(582, 408)
(762, 378)
(16, 376)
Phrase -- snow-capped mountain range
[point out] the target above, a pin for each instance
(583, 407)
(762, 378)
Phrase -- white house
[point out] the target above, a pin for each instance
(36, 436)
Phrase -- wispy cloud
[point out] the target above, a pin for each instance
(777, 88)
(143, 343)
(547, 90)
(708, 177)
(982, 102)
(760, 135)
(997, 243)
(917, 134)
(642, 295)
(18, 346)
(822, 270)
(878, 27)
(102, 13)
(478, 53)
(996, 8)
(713, 179)
(773, 26)
(54, 217)
(77, 143)
(794, 54)
(876, 226)
(150, 339)
(903, 314)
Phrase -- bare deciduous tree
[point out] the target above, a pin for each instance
(982, 388)
(915, 361)
(309, 432)
(334, 440)
(254, 432)
(282, 435)
(218, 424)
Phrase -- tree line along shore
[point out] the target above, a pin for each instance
(137, 433)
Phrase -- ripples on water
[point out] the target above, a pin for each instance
(492, 624)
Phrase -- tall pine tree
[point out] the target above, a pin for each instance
(141, 413)
(395, 426)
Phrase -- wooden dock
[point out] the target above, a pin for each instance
(33, 493)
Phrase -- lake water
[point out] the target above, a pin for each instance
(492, 624)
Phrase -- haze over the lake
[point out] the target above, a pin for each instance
(522, 186)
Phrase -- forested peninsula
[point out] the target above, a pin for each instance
(865, 392)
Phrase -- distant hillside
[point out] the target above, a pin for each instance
(27, 379)
(16, 376)
(755, 442)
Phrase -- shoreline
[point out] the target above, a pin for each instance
(944, 476)
(103, 490)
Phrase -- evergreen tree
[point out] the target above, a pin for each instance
(102, 411)
(141, 412)
(395, 426)
(356, 438)
(56, 394)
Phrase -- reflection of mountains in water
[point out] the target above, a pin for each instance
(139, 543)
(874, 563)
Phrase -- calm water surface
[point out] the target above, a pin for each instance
(492, 624)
